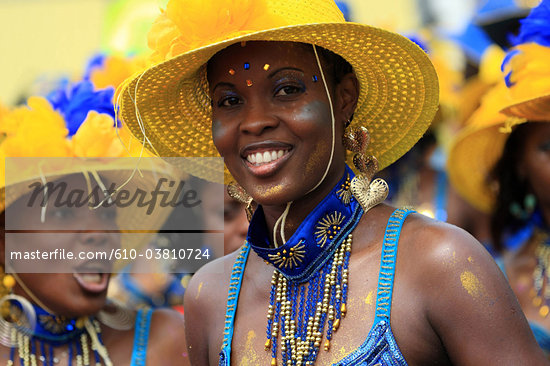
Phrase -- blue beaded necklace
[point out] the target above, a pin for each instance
(52, 331)
(310, 282)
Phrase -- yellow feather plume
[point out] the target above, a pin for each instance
(530, 72)
(186, 25)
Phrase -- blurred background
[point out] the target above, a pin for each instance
(43, 40)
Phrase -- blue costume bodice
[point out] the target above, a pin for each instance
(380, 347)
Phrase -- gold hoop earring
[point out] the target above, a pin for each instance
(117, 316)
(238, 193)
(15, 319)
(367, 192)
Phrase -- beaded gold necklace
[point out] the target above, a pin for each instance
(310, 281)
(540, 292)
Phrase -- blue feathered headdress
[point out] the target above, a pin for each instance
(535, 27)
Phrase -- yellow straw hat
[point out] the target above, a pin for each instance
(477, 148)
(524, 97)
(169, 103)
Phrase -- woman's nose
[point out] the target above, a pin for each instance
(257, 119)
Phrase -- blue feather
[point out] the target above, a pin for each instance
(507, 80)
(507, 58)
(415, 39)
(535, 27)
(75, 101)
(96, 62)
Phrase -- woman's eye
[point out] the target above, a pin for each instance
(62, 213)
(289, 90)
(108, 214)
(545, 146)
(228, 102)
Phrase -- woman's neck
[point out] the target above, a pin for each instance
(300, 208)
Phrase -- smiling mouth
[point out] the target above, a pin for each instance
(266, 157)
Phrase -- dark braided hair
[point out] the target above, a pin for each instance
(511, 186)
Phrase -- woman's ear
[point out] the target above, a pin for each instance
(348, 94)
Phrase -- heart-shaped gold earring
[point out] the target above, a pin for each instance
(367, 192)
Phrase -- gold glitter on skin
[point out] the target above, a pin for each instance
(251, 357)
(368, 299)
(314, 160)
(266, 67)
(471, 284)
(231, 72)
(198, 291)
(470, 259)
(269, 191)
(249, 82)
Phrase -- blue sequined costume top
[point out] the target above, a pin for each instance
(380, 347)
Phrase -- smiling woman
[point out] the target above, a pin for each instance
(65, 318)
(281, 89)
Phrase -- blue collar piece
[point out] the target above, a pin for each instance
(56, 329)
(317, 237)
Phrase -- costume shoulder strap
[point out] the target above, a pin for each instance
(141, 337)
(387, 264)
(232, 299)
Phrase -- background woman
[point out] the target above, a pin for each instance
(501, 163)
(64, 318)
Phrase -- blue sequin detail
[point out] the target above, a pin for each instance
(141, 336)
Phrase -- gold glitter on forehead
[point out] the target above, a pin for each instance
(249, 82)
(266, 67)
(231, 71)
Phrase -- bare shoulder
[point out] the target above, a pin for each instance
(167, 339)
(462, 294)
(437, 254)
(438, 243)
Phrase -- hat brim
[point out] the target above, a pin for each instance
(137, 228)
(398, 91)
(473, 154)
(533, 109)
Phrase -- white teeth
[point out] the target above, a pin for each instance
(265, 157)
(90, 277)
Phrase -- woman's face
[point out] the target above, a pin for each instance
(82, 288)
(535, 165)
(271, 118)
